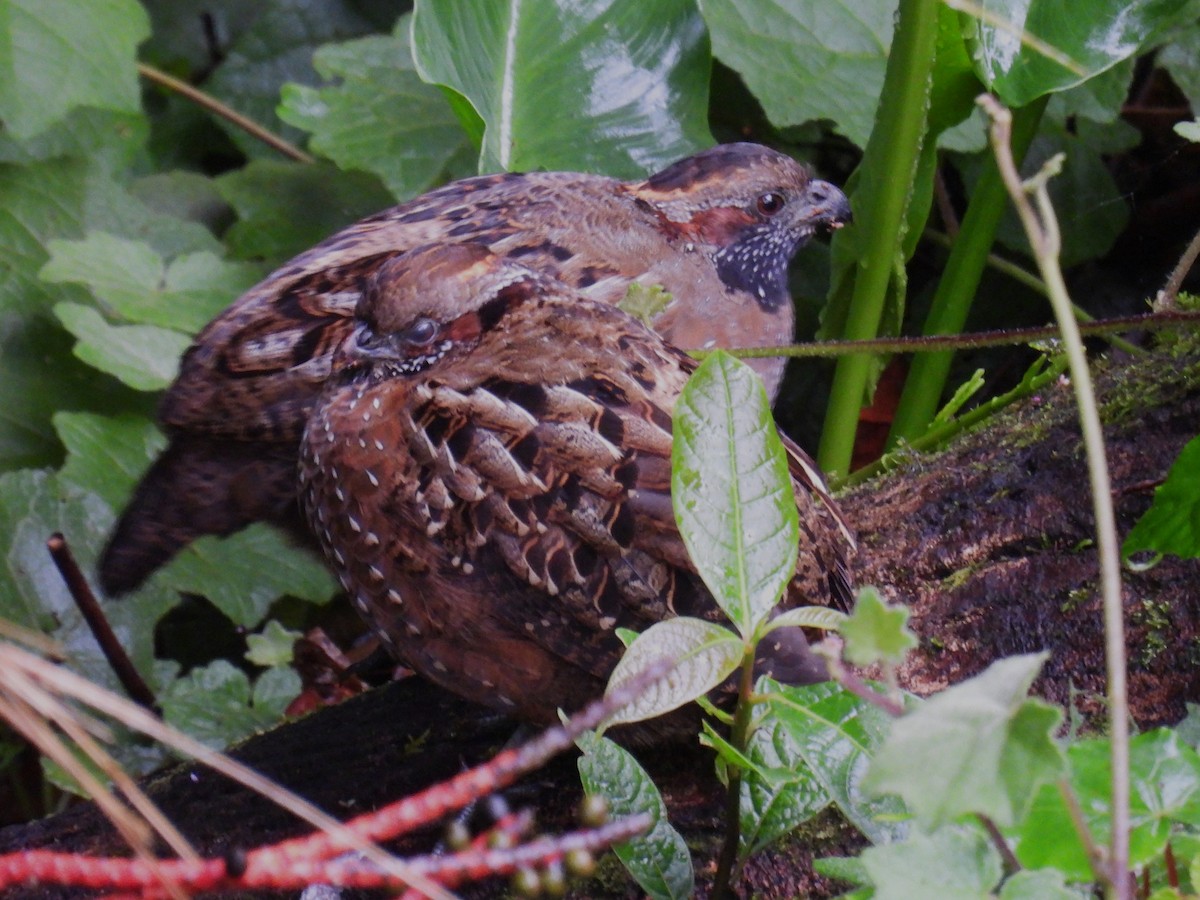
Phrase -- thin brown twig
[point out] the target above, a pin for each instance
(1169, 295)
(831, 649)
(81, 592)
(1011, 863)
(945, 207)
(1096, 854)
(1155, 321)
(215, 106)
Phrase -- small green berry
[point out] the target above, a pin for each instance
(527, 883)
(593, 810)
(580, 863)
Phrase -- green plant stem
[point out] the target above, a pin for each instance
(938, 435)
(1042, 228)
(895, 149)
(926, 379)
(740, 738)
(831, 649)
(215, 106)
(1094, 852)
(994, 261)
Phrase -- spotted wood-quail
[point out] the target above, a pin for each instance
(716, 230)
(489, 475)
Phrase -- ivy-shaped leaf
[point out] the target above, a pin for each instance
(876, 632)
(59, 54)
(993, 745)
(145, 357)
(381, 118)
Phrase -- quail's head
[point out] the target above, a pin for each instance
(754, 207)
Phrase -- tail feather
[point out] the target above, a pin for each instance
(200, 485)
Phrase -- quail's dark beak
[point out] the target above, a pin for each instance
(825, 207)
(364, 345)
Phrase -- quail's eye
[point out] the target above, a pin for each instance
(770, 203)
(421, 332)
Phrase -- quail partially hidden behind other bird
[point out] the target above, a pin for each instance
(716, 230)
(489, 475)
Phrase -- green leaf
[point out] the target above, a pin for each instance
(731, 490)
(1189, 728)
(876, 632)
(658, 860)
(285, 208)
(628, 89)
(993, 746)
(272, 646)
(246, 572)
(705, 654)
(43, 201)
(1092, 211)
(809, 617)
(1189, 130)
(34, 505)
(1181, 58)
(962, 394)
(955, 862)
(113, 140)
(274, 690)
(645, 301)
(382, 118)
(1040, 884)
(772, 807)
(1164, 789)
(145, 357)
(132, 280)
(1112, 31)
(730, 757)
(843, 868)
(117, 270)
(107, 454)
(214, 704)
(835, 735)
(806, 59)
(277, 46)
(60, 54)
(1172, 523)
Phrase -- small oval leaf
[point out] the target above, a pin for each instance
(731, 490)
(809, 617)
(704, 654)
(659, 860)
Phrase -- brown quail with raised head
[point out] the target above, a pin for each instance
(489, 475)
(716, 230)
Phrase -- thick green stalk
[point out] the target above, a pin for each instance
(893, 152)
(948, 313)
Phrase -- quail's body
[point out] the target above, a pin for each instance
(706, 229)
(497, 499)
